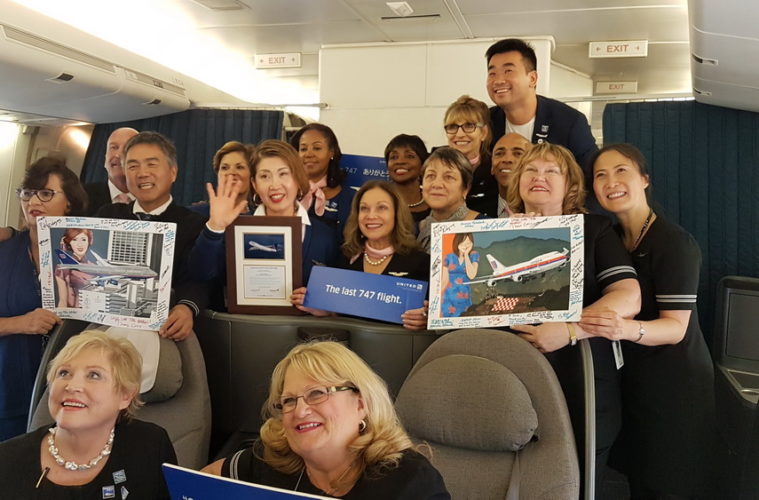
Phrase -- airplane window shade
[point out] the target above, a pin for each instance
(742, 331)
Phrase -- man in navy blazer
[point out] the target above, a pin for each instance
(511, 84)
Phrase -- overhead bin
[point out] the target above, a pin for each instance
(46, 78)
(724, 44)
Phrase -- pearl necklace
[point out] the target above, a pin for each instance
(414, 205)
(73, 466)
(375, 262)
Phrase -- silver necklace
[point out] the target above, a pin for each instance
(73, 466)
(375, 262)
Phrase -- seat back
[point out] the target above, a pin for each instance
(241, 352)
(493, 412)
(186, 416)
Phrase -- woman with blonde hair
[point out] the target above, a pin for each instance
(549, 182)
(467, 126)
(331, 429)
(96, 445)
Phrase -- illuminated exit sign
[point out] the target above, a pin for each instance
(289, 60)
(623, 48)
(616, 87)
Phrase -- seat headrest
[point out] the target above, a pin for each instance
(467, 402)
(168, 375)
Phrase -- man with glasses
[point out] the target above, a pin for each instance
(511, 85)
(115, 190)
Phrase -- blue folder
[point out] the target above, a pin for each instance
(187, 484)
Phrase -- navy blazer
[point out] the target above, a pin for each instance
(557, 123)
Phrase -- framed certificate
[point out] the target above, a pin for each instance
(264, 264)
(501, 272)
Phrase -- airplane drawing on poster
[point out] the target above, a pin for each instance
(107, 271)
(501, 272)
(524, 271)
(103, 268)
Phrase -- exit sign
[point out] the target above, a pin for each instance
(616, 87)
(289, 60)
(624, 48)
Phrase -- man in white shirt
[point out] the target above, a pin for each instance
(511, 83)
(115, 190)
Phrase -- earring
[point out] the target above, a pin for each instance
(257, 199)
(362, 426)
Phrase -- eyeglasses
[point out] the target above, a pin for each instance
(312, 397)
(44, 195)
(467, 127)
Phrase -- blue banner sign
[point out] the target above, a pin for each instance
(360, 169)
(367, 295)
(186, 484)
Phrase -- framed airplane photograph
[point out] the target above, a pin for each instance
(501, 272)
(107, 271)
(264, 264)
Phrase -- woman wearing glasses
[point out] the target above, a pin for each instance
(48, 188)
(331, 430)
(467, 126)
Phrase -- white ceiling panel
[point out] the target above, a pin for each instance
(582, 26)
(271, 12)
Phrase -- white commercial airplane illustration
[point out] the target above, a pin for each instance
(254, 245)
(103, 267)
(524, 271)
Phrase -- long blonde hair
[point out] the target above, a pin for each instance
(574, 199)
(330, 363)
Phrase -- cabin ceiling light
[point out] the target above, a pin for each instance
(221, 4)
(401, 9)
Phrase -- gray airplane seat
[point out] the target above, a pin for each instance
(241, 351)
(179, 400)
(736, 356)
(491, 408)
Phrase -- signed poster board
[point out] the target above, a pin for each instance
(109, 271)
(501, 272)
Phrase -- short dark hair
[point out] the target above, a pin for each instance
(38, 173)
(514, 45)
(413, 142)
(156, 139)
(455, 159)
(335, 174)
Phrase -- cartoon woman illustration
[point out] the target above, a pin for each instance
(460, 267)
(76, 242)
